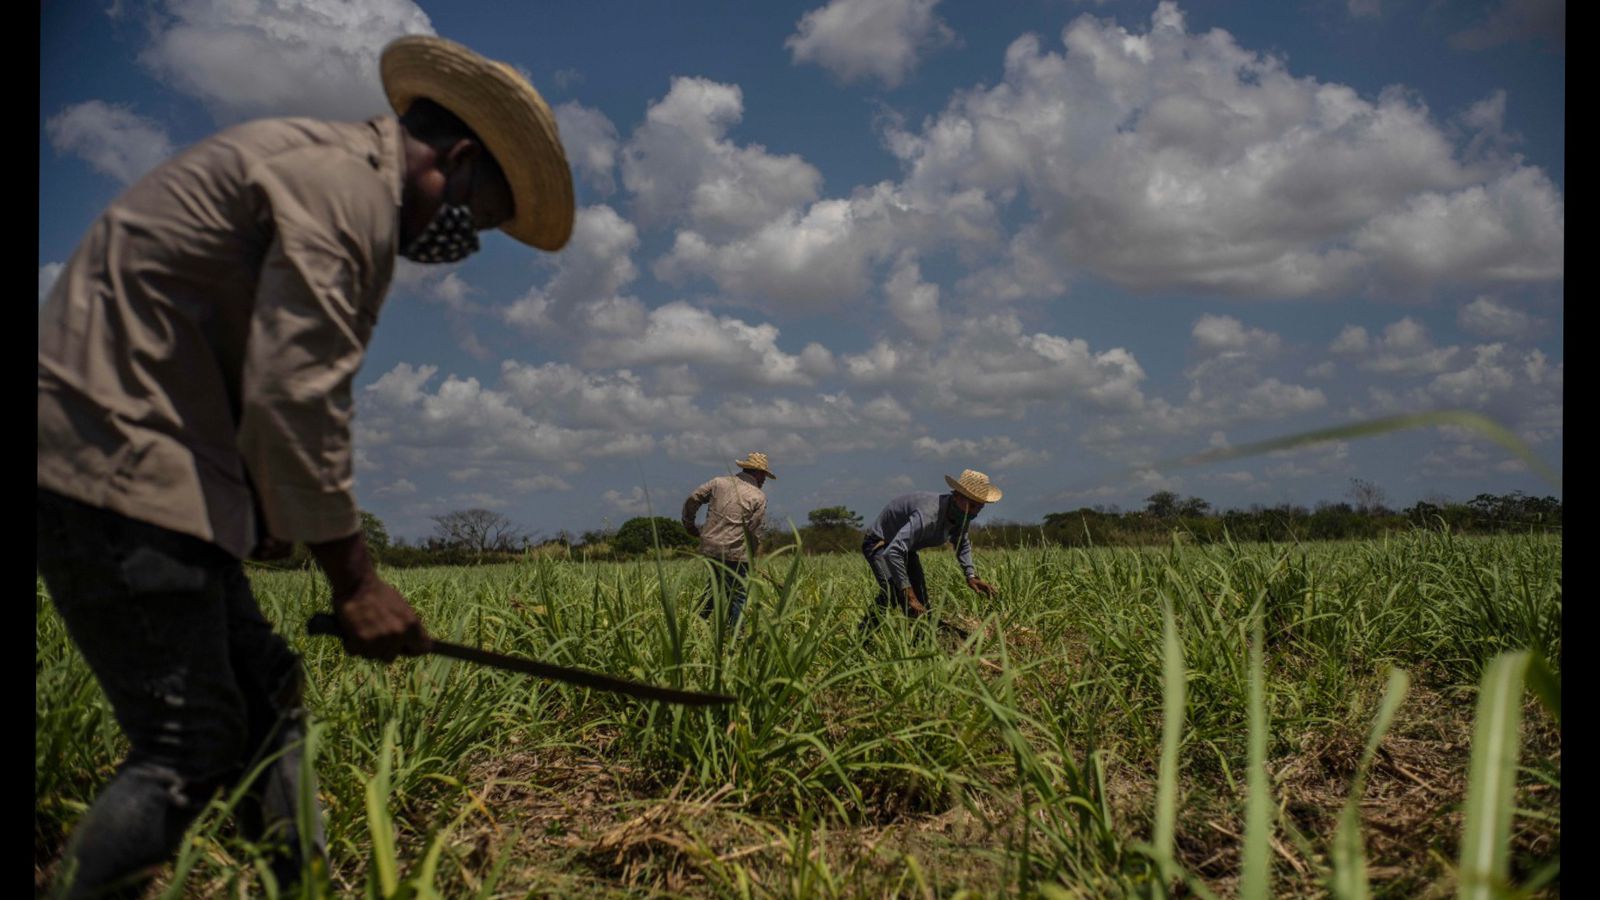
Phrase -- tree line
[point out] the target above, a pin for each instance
(476, 536)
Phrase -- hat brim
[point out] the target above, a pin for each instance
(502, 108)
(746, 464)
(991, 496)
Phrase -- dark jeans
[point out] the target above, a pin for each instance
(732, 580)
(195, 676)
(873, 549)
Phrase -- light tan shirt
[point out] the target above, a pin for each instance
(736, 506)
(206, 333)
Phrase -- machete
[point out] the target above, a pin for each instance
(326, 624)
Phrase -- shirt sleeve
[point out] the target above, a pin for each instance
(323, 277)
(758, 520)
(964, 554)
(899, 546)
(691, 506)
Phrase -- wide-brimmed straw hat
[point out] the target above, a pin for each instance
(757, 461)
(974, 485)
(501, 107)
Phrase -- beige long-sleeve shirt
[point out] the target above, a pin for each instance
(206, 333)
(736, 506)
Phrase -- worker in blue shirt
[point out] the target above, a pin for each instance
(918, 521)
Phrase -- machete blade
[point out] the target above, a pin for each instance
(326, 624)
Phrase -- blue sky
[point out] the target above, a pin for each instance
(1054, 241)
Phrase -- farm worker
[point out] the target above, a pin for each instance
(732, 531)
(196, 358)
(918, 521)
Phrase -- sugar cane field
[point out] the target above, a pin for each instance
(1372, 718)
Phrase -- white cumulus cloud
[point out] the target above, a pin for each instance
(1493, 318)
(1225, 335)
(992, 367)
(997, 452)
(636, 502)
(859, 39)
(617, 400)
(793, 431)
(114, 140)
(913, 301)
(252, 58)
(537, 483)
(589, 273)
(590, 142)
(680, 165)
(1506, 231)
(1404, 348)
(735, 350)
(461, 423)
(1162, 159)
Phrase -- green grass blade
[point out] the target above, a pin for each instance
(1349, 849)
(1458, 418)
(1255, 882)
(1545, 685)
(1171, 735)
(428, 872)
(308, 811)
(1491, 778)
(379, 825)
(1455, 417)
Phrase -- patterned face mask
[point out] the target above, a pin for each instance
(449, 238)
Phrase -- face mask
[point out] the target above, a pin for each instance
(956, 517)
(448, 238)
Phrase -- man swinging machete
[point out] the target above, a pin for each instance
(196, 360)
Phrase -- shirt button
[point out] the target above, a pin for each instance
(372, 160)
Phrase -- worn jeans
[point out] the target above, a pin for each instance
(198, 681)
(888, 596)
(732, 580)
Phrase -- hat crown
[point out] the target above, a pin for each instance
(757, 461)
(975, 486)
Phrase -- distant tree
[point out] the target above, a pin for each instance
(1193, 507)
(1542, 510)
(598, 536)
(835, 517)
(636, 535)
(1161, 504)
(1368, 497)
(832, 529)
(1061, 519)
(478, 530)
(1423, 513)
(372, 529)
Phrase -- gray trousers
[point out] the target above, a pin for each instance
(197, 679)
(732, 580)
(873, 549)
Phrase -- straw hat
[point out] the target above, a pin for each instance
(503, 109)
(974, 486)
(757, 461)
